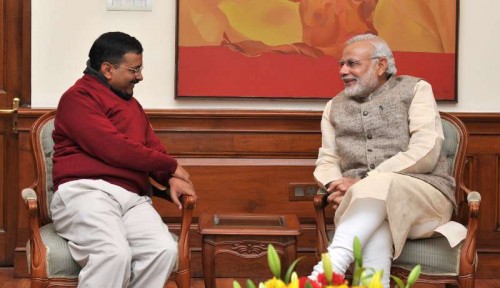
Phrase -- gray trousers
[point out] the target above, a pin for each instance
(116, 236)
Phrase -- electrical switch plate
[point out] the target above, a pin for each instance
(299, 191)
(302, 191)
(130, 5)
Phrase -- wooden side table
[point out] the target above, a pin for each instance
(246, 236)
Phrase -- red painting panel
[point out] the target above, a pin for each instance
(290, 48)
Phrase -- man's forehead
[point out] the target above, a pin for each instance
(360, 49)
(132, 58)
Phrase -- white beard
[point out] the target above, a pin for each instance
(364, 86)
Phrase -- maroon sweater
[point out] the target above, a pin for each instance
(99, 135)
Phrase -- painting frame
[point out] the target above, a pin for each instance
(226, 71)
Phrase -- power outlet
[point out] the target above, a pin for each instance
(311, 190)
(302, 191)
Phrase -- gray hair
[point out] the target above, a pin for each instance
(381, 49)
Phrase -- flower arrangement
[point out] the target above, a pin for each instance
(362, 277)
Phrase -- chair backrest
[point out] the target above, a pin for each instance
(43, 148)
(455, 145)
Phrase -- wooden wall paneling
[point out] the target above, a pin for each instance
(483, 176)
(243, 161)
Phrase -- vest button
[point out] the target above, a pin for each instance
(365, 113)
(372, 166)
(369, 136)
(369, 150)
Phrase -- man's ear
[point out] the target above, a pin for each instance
(382, 66)
(107, 70)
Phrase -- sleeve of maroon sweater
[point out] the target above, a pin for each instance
(81, 118)
(153, 142)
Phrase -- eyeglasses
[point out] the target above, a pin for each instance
(135, 70)
(351, 63)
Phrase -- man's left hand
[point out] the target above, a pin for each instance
(180, 187)
(336, 189)
(342, 184)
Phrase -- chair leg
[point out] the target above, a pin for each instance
(183, 279)
(466, 282)
(38, 284)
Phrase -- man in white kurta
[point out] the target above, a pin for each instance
(381, 160)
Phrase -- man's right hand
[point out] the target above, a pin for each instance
(181, 173)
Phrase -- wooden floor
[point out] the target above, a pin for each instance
(7, 280)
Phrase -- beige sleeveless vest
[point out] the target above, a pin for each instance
(372, 129)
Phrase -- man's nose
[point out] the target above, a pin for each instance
(139, 76)
(343, 70)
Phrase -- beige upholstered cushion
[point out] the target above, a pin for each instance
(434, 255)
(59, 261)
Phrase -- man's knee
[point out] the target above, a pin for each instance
(167, 254)
(166, 245)
(170, 248)
(119, 253)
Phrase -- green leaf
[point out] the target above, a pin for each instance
(358, 262)
(358, 255)
(327, 267)
(398, 281)
(308, 284)
(236, 284)
(356, 276)
(274, 261)
(250, 284)
(414, 274)
(290, 270)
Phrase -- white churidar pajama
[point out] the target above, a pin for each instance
(382, 210)
(116, 236)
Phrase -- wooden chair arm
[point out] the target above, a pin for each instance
(474, 201)
(37, 247)
(320, 202)
(468, 253)
(31, 200)
(188, 204)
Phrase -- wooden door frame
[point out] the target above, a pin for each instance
(15, 81)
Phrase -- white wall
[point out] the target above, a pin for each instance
(64, 30)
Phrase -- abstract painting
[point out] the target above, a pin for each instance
(291, 48)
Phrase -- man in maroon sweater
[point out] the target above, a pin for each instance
(105, 151)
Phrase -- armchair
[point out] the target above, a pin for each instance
(49, 261)
(454, 267)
